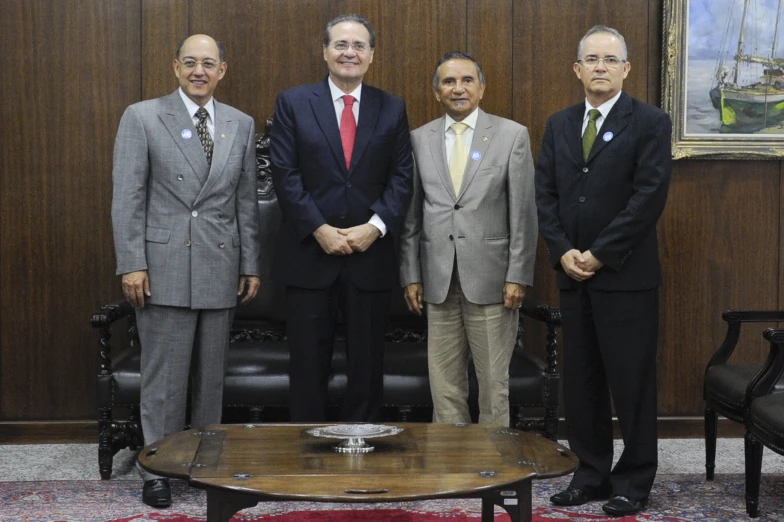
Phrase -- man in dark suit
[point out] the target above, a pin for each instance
(186, 234)
(601, 185)
(342, 170)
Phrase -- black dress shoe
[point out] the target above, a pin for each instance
(156, 493)
(575, 496)
(620, 506)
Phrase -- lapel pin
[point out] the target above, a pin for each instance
(484, 138)
(223, 136)
(476, 155)
(186, 134)
(607, 136)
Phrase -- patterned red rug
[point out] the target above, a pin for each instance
(675, 498)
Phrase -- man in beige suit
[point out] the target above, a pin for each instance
(469, 242)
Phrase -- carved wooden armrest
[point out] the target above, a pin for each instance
(734, 320)
(765, 380)
(103, 321)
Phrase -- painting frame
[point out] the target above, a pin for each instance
(674, 97)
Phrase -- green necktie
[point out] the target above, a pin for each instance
(589, 136)
(204, 134)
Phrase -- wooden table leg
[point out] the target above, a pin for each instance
(222, 505)
(515, 500)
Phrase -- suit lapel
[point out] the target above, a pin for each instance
(324, 111)
(438, 152)
(369, 109)
(225, 133)
(483, 136)
(179, 123)
(613, 125)
(574, 133)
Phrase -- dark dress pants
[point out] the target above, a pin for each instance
(311, 316)
(609, 349)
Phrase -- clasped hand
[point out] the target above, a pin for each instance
(580, 265)
(345, 241)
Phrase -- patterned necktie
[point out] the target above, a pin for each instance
(348, 128)
(589, 136)
(457, 162)
(204, 134)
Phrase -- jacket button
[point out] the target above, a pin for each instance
(582, 199)
(342, 216)
(585, 169)
(348, 185)
(194, 214)
(179, 177)
(451, 237)
(187, 242)
(222, 244)
(457, 207)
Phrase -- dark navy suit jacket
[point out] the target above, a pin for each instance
(610, 203)
(314, 186)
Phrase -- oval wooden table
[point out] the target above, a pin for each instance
(241, 465)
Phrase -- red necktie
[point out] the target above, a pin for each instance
(348, 128)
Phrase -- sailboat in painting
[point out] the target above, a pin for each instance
(756, 105)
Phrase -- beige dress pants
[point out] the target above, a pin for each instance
(489, 332)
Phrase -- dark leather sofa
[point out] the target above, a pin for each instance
(256, 386)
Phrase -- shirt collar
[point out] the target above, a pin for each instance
(337, 93)
(604, 108)
(191, 106)
(469, 120)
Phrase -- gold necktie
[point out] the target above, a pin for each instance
(457, 162)
(204, 134)
(589, 136)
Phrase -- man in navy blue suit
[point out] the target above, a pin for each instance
(342, 169)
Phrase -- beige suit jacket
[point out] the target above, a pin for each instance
(489, 227)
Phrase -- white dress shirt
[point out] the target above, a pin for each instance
(193, 107)
(337, 101)
(468, 134)
(603, 108)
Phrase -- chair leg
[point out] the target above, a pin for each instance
(753, 453)
(711, 431)
(105, 449)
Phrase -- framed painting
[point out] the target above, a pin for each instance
(723, 75)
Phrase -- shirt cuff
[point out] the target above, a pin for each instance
(379, 224)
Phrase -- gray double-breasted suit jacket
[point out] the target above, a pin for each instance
(489, 227)
(193, 227)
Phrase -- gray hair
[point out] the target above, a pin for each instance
(350, 18)
(458, 55)
(603, 29)
(221, 52)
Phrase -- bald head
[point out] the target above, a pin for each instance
(204, 37)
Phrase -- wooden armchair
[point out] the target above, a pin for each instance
(765, 419)
(727, 384)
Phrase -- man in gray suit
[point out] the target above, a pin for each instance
(186, 227)
(469, 242)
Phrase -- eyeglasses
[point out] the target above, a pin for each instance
(208, 64)
(611, 62)
(342, 46)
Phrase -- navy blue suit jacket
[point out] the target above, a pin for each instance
(314, 186)
(610, 203)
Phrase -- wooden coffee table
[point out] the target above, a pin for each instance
(242, 465)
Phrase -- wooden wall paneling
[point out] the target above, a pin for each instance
(412, 35)
(271, 45)
(489, 33)
(72, 79)
(164, 25)
(654, 53)
(718, 235)
(781, 238)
